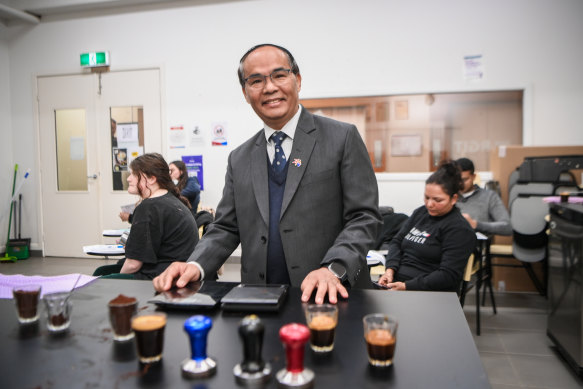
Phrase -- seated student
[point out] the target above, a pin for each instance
(163, 228)
(126, 216)
(189, 187)
(432, 248)
(482, 208)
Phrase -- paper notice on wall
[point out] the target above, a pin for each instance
(196, 138)
(177, 137)
(501, 151)
(219, 133)
(134, 152)
(127, 132)
(473, 67)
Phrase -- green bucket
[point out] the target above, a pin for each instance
(18, 248)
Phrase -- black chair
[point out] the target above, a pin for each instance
(392, 223)
(478, 274)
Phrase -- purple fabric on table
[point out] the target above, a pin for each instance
(53, 284)
(557, 199)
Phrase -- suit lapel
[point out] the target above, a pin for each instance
(300, 156)
(259, 176)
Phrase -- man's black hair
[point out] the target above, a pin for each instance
(295, 69)
(466, 165)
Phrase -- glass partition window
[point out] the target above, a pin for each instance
(413, 133)
(127, 142)
(70, 135)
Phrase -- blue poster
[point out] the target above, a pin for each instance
(194, 167)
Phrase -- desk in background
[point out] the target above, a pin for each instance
(435, 348)
(105, 250)
(115, 233)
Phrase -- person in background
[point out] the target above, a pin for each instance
(432, 248)
(300, 195)
(482, 208)
(163, 228)
(189, 187)
(126, 216)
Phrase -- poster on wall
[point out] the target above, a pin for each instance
(194, 167)
(120, 159)
(219, 134)
(177, 137)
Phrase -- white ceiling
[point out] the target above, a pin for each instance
(35, 11)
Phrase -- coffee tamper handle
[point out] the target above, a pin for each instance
(253, 370)
(294, 337)
(200, 365)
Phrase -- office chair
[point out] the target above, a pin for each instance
(528, 217)
(529, 188)
(513, 178)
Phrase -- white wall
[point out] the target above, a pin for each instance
(6, 165)
(344, 48)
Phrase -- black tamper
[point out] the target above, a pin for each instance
(253, 371)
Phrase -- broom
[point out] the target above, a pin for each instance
(6, 256)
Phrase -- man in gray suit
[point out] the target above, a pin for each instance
(303, 203)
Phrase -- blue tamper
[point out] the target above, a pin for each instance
(199, 365)
(253, 371)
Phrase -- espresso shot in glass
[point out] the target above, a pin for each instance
(149, 331)
(380, 334)
(26, 298)
(121, 310)
(58, 306)
(321, 320)
(564, 197)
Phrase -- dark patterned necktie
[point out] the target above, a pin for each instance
(279, 158)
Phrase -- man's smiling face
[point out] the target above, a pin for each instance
(274, 104)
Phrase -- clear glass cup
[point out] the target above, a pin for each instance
(121, 311)
(380, 334)
(149, 330)
(58, 306)
(321, 320)
(26, 298)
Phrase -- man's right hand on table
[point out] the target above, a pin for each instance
(181, 272)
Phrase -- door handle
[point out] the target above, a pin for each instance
(94, 176)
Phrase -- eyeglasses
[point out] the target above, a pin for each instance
(278, 77)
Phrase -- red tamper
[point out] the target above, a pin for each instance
(294, 337)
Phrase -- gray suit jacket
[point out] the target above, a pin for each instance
(329, 211)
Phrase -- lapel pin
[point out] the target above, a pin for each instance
(297, 162)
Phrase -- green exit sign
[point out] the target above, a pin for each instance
(95, 59)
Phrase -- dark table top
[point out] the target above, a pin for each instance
(435, 348)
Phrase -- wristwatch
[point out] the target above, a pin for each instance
(338, 270)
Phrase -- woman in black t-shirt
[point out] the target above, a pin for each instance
(432, 248)
(163, 228)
